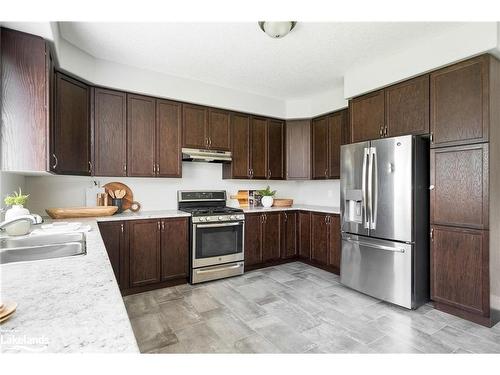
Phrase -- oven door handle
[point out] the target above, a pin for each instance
(219, 225)
(218, 269)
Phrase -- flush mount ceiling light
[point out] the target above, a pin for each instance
(277, 29)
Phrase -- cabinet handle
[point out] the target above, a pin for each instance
(158, 168)
(125, 167)
(432, 234)
(326, 173)
(122, 228)
(162, 226)
(90, 167)
(55, 161)
(210, 142)
(158, 225)
(269, 173)
(385, 131)
(381, 132)
(432, 137)
(286, 217)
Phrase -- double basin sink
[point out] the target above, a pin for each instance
(41, 246)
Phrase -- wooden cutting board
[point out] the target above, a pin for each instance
(127, 199)
(75, 212)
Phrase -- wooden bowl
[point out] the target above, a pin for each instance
(283, 203)
(75, 212)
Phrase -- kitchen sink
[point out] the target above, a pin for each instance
(38, 247)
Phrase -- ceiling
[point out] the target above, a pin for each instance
(311, 59)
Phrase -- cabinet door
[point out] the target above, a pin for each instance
(319, 151)
(219, 130)
(194, 126)
(305, 235)
(460, 268)
(335, 125)
(174, 248)
(240, 148)
(144, 252)
(460, 178)
(298, 150)
(289, 237)
(258, 141)
(275, 150)
(168, 138)
(141, 129)
(407, 107)
(367, 116)
(110, 132)
(24, 97)
(459, 103)
(334, 250)
(271, 242)
(113, 236)
(319, 238)
(253, 239)
(71, 132)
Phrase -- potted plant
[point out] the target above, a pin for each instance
(267, 196)
(17, 200)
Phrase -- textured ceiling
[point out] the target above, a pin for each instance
(311, 59)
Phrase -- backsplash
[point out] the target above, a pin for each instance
(161, 193)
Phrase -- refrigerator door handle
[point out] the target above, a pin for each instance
(373, 187)
(375, 246)
(369, 187)
(366, 220)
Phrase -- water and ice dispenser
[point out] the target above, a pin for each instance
(354, 206)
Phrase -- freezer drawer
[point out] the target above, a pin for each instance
(379, 268)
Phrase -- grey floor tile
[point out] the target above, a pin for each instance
(279, 275)
(281, 335)
(178, 314)
(460, 339)
(165, 294)
(200, 338)
(255, 344)
(139, 304)
(201, 300)
(388, 344)
(306, 303)
(151, 332)
(324, 333)
(294, 317)
(319, 281)
(229, 328)
(343, 344)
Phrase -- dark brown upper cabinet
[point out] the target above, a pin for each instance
(240, 149)
(144, 252)
(289, 221)
(366, 114)
(110, 132)
(460, 103)
(327, 137)
(298, 150)
(27, 94)
(258, 148)
(460, 269)
(407, 107)
(141, 131)
(168, 138)
(219, 130)
(174, 248)
(459, 186)
(71, 131)
(194, 126)
(275, 150)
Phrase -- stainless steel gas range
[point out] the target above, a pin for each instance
(216, 235)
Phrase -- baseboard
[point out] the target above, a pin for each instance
(475, 318)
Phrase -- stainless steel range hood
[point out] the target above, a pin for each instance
(207, 156)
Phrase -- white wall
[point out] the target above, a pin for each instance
(161, 193)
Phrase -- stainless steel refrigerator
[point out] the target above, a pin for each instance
(384, 198)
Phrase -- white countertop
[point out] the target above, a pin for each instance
(70, 304)
(295, 207)
(129, 215)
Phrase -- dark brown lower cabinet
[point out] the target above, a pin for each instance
(253, 239)
(335, 249)
(114, 236)
(144, 252)
(319, 238)
(460, 271)
(304, 240)
(174, 248)
(271, 236)
(289, 234)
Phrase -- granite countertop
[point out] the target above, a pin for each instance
(129, 215)
(295, 207)
(70, 304)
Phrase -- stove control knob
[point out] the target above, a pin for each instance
(208, 218)
(232, 217)
(201, 219)
(221, 218)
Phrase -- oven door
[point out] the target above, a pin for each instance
(217, 243)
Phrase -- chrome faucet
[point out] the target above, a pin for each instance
(33, 218)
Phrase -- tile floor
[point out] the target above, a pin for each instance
(293, 308)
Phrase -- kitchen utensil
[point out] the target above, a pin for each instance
(128, 198)
(91, 194)
(136, 206)
(111, 193)
(282, 202)
(75, 212)
(118, 202)
(8, 310)
(242, 198)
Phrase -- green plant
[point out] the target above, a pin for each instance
(17, 198)
(267, 192)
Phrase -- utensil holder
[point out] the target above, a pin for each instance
(118, 202)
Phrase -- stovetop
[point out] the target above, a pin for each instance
(207, 211)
